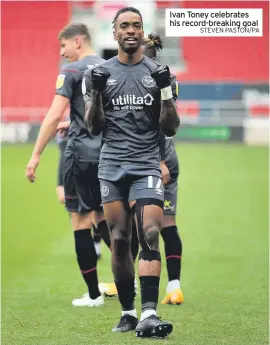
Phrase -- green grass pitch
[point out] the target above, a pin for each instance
(223, 221)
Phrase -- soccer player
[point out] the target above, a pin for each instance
(170, 171)
(62, 142)
(81, 185)
(131, 98)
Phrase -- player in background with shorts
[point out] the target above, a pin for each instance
(62, 142)
(170, 172)
(108, 289)
(81, 184)
(131, 98)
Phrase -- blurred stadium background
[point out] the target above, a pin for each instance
(223, 188)
(223, 82)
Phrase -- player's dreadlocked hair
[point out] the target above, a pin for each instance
(123, 10)
(152, 43)
(74, 29)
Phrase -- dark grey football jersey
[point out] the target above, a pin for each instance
(132, 104)
(168, 153)
(69, 84)
(171, 159)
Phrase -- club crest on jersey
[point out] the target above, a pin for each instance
(60, 81)
(148, 81)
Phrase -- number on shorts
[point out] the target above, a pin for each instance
(150, 183)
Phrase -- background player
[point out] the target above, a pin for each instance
(170, 171)
(62, 140)
(82, 193)
(126, 111)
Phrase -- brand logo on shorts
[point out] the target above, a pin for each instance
(159, 191)
(148, 81)
(105, 191)
(168, 206)
(158, 188)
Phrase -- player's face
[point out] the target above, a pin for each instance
(128, 32)
(68, 49)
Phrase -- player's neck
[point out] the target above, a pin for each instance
(133, 59)
(85, 52)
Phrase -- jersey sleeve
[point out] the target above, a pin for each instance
(174, 85)
(65, 83)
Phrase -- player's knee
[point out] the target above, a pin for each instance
(121, 246)
(81, 221)
(97, 217)
(120, 241)
(151, 234)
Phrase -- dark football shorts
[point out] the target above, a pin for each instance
(170, 196)
(81, 185)
(131, 188)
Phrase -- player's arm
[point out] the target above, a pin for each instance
(93, 84)
(50, 122)
(49, 125)
(169, 119)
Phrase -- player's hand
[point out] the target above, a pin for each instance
(165, 173)
(31, 168)
(99, 78)
(162, 76)
(63, 128)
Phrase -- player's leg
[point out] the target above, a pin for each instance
(117, 216)
(172, 244)
(86, 258)
(173, 254)
(149, 214)
(97, 241)
(134, 247)
(134, 240)
(108, 289)
(93, 198)
(77, 203)
(101, 225)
